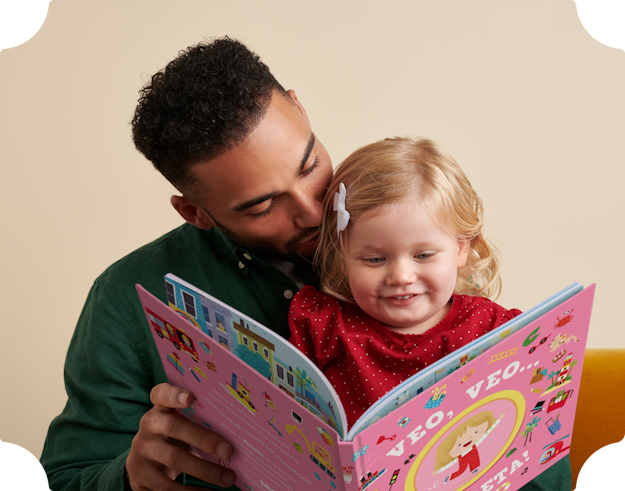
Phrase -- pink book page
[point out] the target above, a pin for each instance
(492, 425)
(279, 444)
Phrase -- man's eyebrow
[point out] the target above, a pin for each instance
(255, 201)
(309, 147)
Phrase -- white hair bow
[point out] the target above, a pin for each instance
(342, 218)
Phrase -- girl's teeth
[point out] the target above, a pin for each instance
(404, 297)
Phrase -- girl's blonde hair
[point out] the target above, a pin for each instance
(400, 169)
(442, 454)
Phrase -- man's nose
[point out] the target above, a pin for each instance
(307, 204)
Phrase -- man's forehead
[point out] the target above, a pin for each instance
(261, 165)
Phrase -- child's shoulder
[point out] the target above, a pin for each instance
(309, 298)
(470, 306)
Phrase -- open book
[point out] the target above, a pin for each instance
(499, 410)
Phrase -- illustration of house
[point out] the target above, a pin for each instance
(255, 350)
(211, 318)
(284, 377)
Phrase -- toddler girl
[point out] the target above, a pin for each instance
(404, 268)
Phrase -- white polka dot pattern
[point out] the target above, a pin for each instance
(363, 359)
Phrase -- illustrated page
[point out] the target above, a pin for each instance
(494, 423)
(279, 445)
(268, 353)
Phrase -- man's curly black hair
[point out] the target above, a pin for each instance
(200, 105)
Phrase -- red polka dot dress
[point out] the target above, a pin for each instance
(363, 359)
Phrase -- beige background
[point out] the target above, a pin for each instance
(527, 101)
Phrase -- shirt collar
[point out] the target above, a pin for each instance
(240, 259)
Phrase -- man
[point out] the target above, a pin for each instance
(252, 175)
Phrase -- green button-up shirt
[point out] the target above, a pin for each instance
(112, 362)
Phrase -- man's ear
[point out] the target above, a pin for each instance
(298, 104)
(191, 212)
(464, 246)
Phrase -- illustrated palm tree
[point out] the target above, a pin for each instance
(529, 429)
(553, 376)
(302, 379)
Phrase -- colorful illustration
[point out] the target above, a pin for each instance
(359, 453)
(566, 318)
(538, 374)
(384, 438)
(531, 337)
(560, 340)
(319, 478)
(268, 402)
(552, 451)
(542, 341)
(241, 393)
(369, 479)
(201, 372)
(393, 478)
(559, 400)
(173, 334)
(347, 474)
(558, 355)
(471, 372)
(563, 376)
(204, 346)
(438, 394)
(325, 436)
(538, 407)
(469, 444)
(506, 385)
(174, 360)
(554, 425)
(502, 355)
(271, 423)
(317, 453)
(529, 429)
(461, 446)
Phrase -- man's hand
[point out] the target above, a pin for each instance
(160, 450)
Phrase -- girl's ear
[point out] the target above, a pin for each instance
(464, 247)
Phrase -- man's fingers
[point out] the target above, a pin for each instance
(154, 461)
(166, 397)
(188, 463)
(173, 425)
(160, 450)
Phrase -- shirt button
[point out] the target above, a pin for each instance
(288, 294)
(241, 265)
(247, 256)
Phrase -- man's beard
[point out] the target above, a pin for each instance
(265, 248)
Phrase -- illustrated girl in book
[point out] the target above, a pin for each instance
(405, 271)
(461, 446)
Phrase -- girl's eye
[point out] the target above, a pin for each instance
(375, 260)
(425, 255)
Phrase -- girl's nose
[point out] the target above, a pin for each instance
(401, 273)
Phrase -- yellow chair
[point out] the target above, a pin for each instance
(600, 415)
